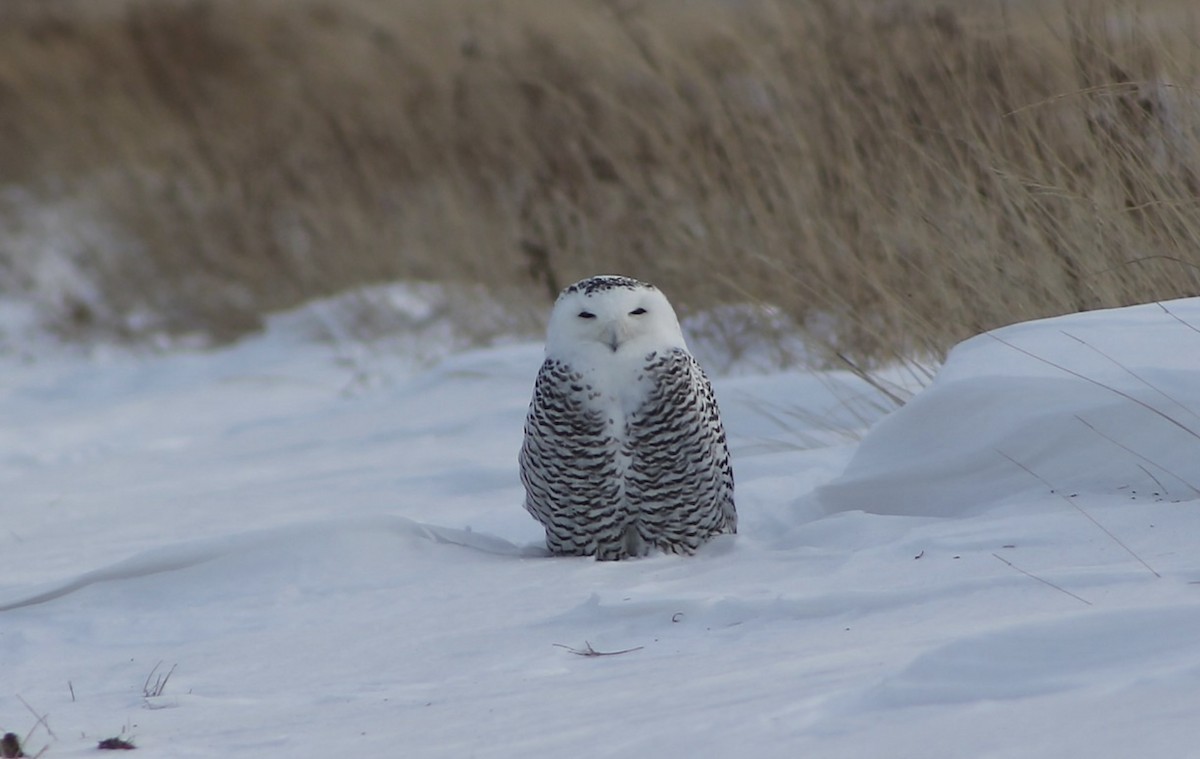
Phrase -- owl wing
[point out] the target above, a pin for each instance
(569, 465)
(680, 479)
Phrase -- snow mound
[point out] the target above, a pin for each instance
(262, 553)
(1039, 658)
(1098, 403)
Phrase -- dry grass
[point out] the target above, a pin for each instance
(911, 175)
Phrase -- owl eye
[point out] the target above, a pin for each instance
(586, 315)
(637, 312)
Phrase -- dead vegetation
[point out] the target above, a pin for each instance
(896, 175)
(115, 744)
(156, 681)
(10, 746)
(591, 652)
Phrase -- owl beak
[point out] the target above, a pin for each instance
(613, 336)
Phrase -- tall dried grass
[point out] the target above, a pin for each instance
(895, 175)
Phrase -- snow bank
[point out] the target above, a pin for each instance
(1098, 403)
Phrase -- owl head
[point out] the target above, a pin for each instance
(614, 315)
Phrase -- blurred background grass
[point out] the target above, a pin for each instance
(892, 175)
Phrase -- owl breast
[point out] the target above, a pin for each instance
(618, 461)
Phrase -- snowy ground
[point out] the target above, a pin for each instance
(331, 552)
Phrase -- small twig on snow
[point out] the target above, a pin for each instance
(1098, 383)
(41, 720)
(1081, 510)
(160, 683)
(1134, 453)
(589, 651)
(1174, 316)
(1042, 580)
(1161, 488)
(1131, 372)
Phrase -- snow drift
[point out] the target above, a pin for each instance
(330, 551)
(1101, 403)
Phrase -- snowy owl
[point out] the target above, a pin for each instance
(624, 448)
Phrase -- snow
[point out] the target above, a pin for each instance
(331, 553)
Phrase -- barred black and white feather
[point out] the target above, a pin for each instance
(624, 449)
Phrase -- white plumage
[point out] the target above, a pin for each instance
(624, 449)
